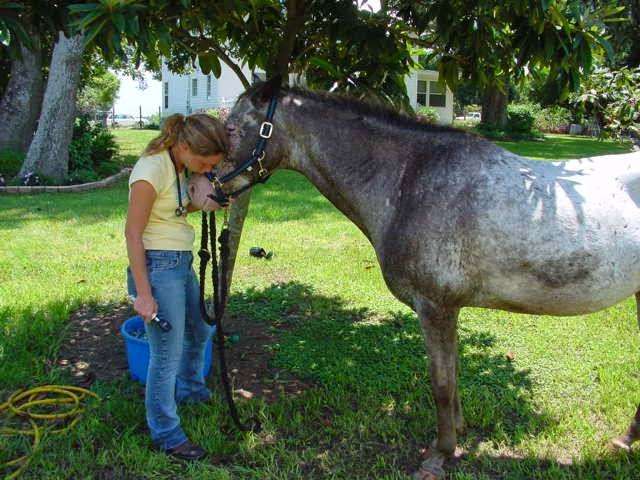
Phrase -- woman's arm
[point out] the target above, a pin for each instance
(141, 200)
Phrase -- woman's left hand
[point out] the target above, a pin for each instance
(199, 190)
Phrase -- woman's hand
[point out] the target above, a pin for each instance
(199, 190)
(146, 307)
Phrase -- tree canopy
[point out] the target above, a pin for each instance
(343, 47)
(333, 41)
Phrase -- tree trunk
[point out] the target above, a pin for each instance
(494, 107)
(634, 54)
(238, 212)
(49, 151)
(20, 105)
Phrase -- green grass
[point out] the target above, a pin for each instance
(564, 147)
(572, 384)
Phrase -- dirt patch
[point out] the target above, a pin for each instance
(94, 350)
(250, 365)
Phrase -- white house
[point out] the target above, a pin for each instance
(197, 92)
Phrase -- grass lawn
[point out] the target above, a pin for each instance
(546, 410)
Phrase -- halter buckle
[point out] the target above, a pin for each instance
(263, 171)
(259, 157)
(216, 182)
(266, 129)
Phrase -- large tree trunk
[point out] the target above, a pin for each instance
(49, 151)
(20, 105)
(494, 107)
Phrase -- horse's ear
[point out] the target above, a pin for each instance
(270, 88)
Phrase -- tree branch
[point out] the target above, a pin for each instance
(295, 21)
(205, 43)
(232, 65)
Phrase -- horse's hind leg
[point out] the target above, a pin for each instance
(633, 432)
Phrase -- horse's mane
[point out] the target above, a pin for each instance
(369, 108)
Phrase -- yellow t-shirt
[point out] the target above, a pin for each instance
(165, 230)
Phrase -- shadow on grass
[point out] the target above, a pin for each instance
(370, 406)
(369, 354)
(372, 372)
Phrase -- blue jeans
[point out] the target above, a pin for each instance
(176, 357)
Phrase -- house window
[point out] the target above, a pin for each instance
(194, 87)
(422, 93)
(208, 85)
(437, 94)
(166, 95)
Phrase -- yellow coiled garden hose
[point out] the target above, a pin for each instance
(35, 407)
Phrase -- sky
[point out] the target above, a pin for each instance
(131, 97)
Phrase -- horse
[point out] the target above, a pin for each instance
(455, 220)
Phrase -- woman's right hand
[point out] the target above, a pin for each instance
(146, 307)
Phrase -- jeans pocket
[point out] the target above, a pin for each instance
(158, 261)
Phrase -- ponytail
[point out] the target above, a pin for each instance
(203, 134)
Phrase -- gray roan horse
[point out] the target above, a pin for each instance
(457, 221)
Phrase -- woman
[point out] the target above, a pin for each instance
(160, 274)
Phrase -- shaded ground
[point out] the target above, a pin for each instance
(95, 350)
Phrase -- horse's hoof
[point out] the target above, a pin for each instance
(621, 443)
(432, 466)
(423, 474)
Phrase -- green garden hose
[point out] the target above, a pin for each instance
(35, 407)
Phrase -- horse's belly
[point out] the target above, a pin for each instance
(526, 296)
(574, 259)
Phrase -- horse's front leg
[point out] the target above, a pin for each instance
(439, 329)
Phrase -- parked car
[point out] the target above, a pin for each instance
(474, 116)
(124, 120)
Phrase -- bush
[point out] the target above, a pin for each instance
(612, 98)
(428, 115)
(521, 118)
(491, 131)
(221, 113)
(154, 122)
(10, 163)
(91, 152)
(554, 119)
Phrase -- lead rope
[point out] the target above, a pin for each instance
(220, 292)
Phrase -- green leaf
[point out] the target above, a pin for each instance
(119, 22)
(93, 31)
(87, 7)
(324, 65)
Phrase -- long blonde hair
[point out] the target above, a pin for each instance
(203, 134)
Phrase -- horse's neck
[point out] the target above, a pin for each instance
(342, 163)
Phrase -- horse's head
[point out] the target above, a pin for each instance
(249, 132)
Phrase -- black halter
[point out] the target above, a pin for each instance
(257, 156)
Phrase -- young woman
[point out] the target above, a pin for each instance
(160, 274)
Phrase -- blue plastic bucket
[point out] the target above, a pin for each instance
(138, 349)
